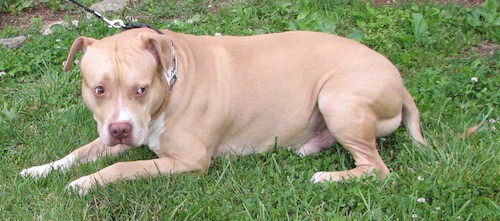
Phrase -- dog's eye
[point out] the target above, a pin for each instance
(99, 90)
(141, 90)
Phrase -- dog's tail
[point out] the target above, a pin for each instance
(411, 117)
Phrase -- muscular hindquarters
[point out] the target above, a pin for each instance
(271, 97)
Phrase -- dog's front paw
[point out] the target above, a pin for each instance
(43, 170)
(82, 185)
(36, 172)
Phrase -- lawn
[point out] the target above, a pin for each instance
(448, 55)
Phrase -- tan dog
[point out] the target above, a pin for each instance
(192, 98)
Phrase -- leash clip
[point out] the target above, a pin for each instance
(117, 23)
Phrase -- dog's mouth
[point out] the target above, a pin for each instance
(127, 141)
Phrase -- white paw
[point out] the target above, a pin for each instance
(36, 172)
(321, 177)
(81, 185)
(44, 170)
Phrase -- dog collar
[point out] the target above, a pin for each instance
(171, 74)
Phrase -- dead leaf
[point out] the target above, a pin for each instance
(471, 131)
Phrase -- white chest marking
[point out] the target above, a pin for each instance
(156, 129)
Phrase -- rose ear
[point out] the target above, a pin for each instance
(160, 46)
(81, 43)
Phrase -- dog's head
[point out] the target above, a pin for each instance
(123, 82)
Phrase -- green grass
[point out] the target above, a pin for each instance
(42, 118)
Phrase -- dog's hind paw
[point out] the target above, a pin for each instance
(321, 177)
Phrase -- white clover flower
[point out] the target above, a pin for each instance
(2, 73)
(438, 208)
(474, 79)
(58, 40)
(414, 216)
(492, 121)
(420, 178)
(421, 200)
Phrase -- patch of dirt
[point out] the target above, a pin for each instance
(483, 49)
(23, 19)
(486, 49)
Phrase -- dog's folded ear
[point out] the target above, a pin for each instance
(161, 47)
(81, 43)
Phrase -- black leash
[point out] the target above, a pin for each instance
(117, 23)
(132, 25)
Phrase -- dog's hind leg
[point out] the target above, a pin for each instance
(352, 122)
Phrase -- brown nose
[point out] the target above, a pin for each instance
(120, 131)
